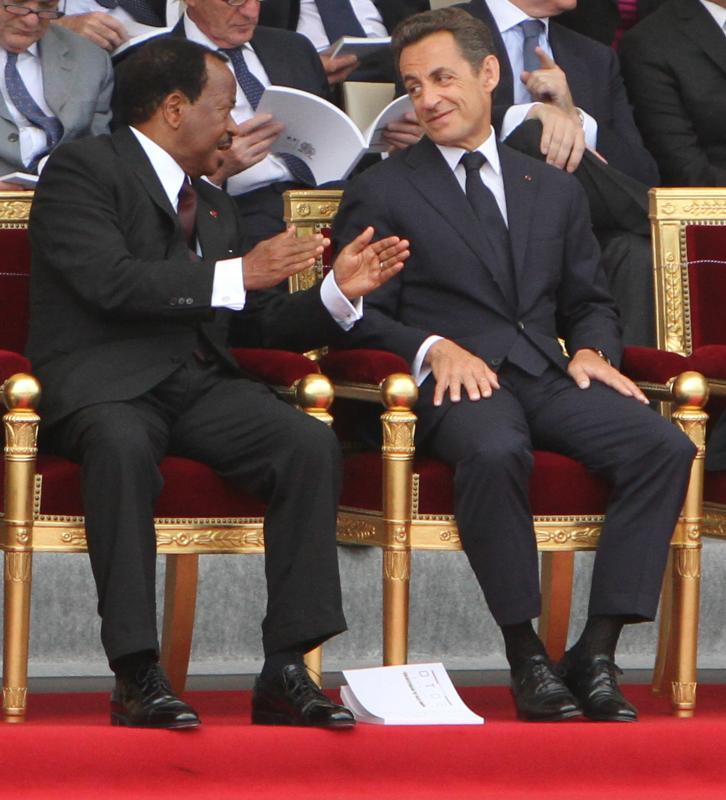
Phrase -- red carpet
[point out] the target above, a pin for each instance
(67, 749)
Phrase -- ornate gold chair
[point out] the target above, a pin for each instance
(198, 512)
(400, 501)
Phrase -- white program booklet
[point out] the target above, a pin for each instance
(322, 135)
(360, 46)
(22, 179)
(411, 694)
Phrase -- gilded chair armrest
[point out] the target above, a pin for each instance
(10, 363)
(276, 367)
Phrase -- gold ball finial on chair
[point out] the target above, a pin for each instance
(399, 392)
(21, 391)
(315, 391)
(690, 389)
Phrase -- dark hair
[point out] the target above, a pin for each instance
(155, 70)
(472, 36)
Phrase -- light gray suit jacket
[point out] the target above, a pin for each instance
(77, 84)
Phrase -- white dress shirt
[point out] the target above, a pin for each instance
(491, 175)
(32, 140)
(310, 24)
(228, 290)
(271, 169)
(507, 17)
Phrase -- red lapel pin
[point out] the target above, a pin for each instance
(528, 177)
(214, 213)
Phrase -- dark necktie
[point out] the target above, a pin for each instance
(492, 224)
(25, 104)
(187, 213)
(140, 10)
(253, 91)
(338, 19)
(532, 29)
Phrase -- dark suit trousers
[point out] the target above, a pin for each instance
(645, 459)
(250, 437)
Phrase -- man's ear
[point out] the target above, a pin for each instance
(173, 107)
(489, 73)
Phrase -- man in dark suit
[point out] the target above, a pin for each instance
(477, 313)
(326, 21)
(136, 275)
(110, 23)
(606, 20)
(55, 87)
(572, 86)
(674, 65)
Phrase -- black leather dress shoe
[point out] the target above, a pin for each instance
(292, 698)
(147, 701)
(595, 684)
(539, 693)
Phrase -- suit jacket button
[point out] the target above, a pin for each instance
(520, 325)
(495, 362)
(189, 301)
(172, 302)
(13, 137)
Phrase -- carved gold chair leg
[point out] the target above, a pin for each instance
(690, 391)
(396, 583)
(314, 664)
(663, 669)
(180, 597)
(21, 394)
(557, 576)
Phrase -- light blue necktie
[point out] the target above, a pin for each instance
(253, 91)
(25, 104)
(339, 19)
(532, 29)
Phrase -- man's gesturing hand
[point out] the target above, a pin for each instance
(587, 365)
(272, 261)
(454, 367)
(97, 26)
(363, 265)
(549, 83)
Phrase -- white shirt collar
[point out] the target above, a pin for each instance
(168, 171)
(195, 34)
(507, 15)
(488, 149)
(717, 12)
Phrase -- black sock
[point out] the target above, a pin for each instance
(127, 666)
(599, 636)
(274, 662)
(521, 642)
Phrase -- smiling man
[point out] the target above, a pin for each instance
(136, 277)
(54, 86)
(503, 261)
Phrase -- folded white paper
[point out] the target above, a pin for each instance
(23, 179)
(322, 135)
(360, 46)
(411, 694)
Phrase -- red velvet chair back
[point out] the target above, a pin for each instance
(14, 270)
(706, 255)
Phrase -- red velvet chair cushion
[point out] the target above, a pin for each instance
(362, 366)
(706, 251)
(14, 281)
(190, 489)
(649, 364)
(714, 487)
(558, 486)
(10, 363)
(710, 360)
(278, 367)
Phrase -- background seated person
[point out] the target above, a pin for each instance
(107, 22)
(503, 260)
(674, 65)
(136, 278)
(54, 86)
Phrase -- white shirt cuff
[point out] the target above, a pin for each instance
(228, 287)
(589, 128)
(345, 313)
(419, 370)
(516, 115)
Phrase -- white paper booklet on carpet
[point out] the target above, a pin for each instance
(411, 694)
(323, 136)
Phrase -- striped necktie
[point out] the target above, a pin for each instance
(253, 91)
(338, 19)
(25, 104)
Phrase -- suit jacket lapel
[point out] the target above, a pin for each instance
(434, 180)
(520, 189)
(210, 223)
(279, 70)
(573, 65)
(56, 63)
(699, 26)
